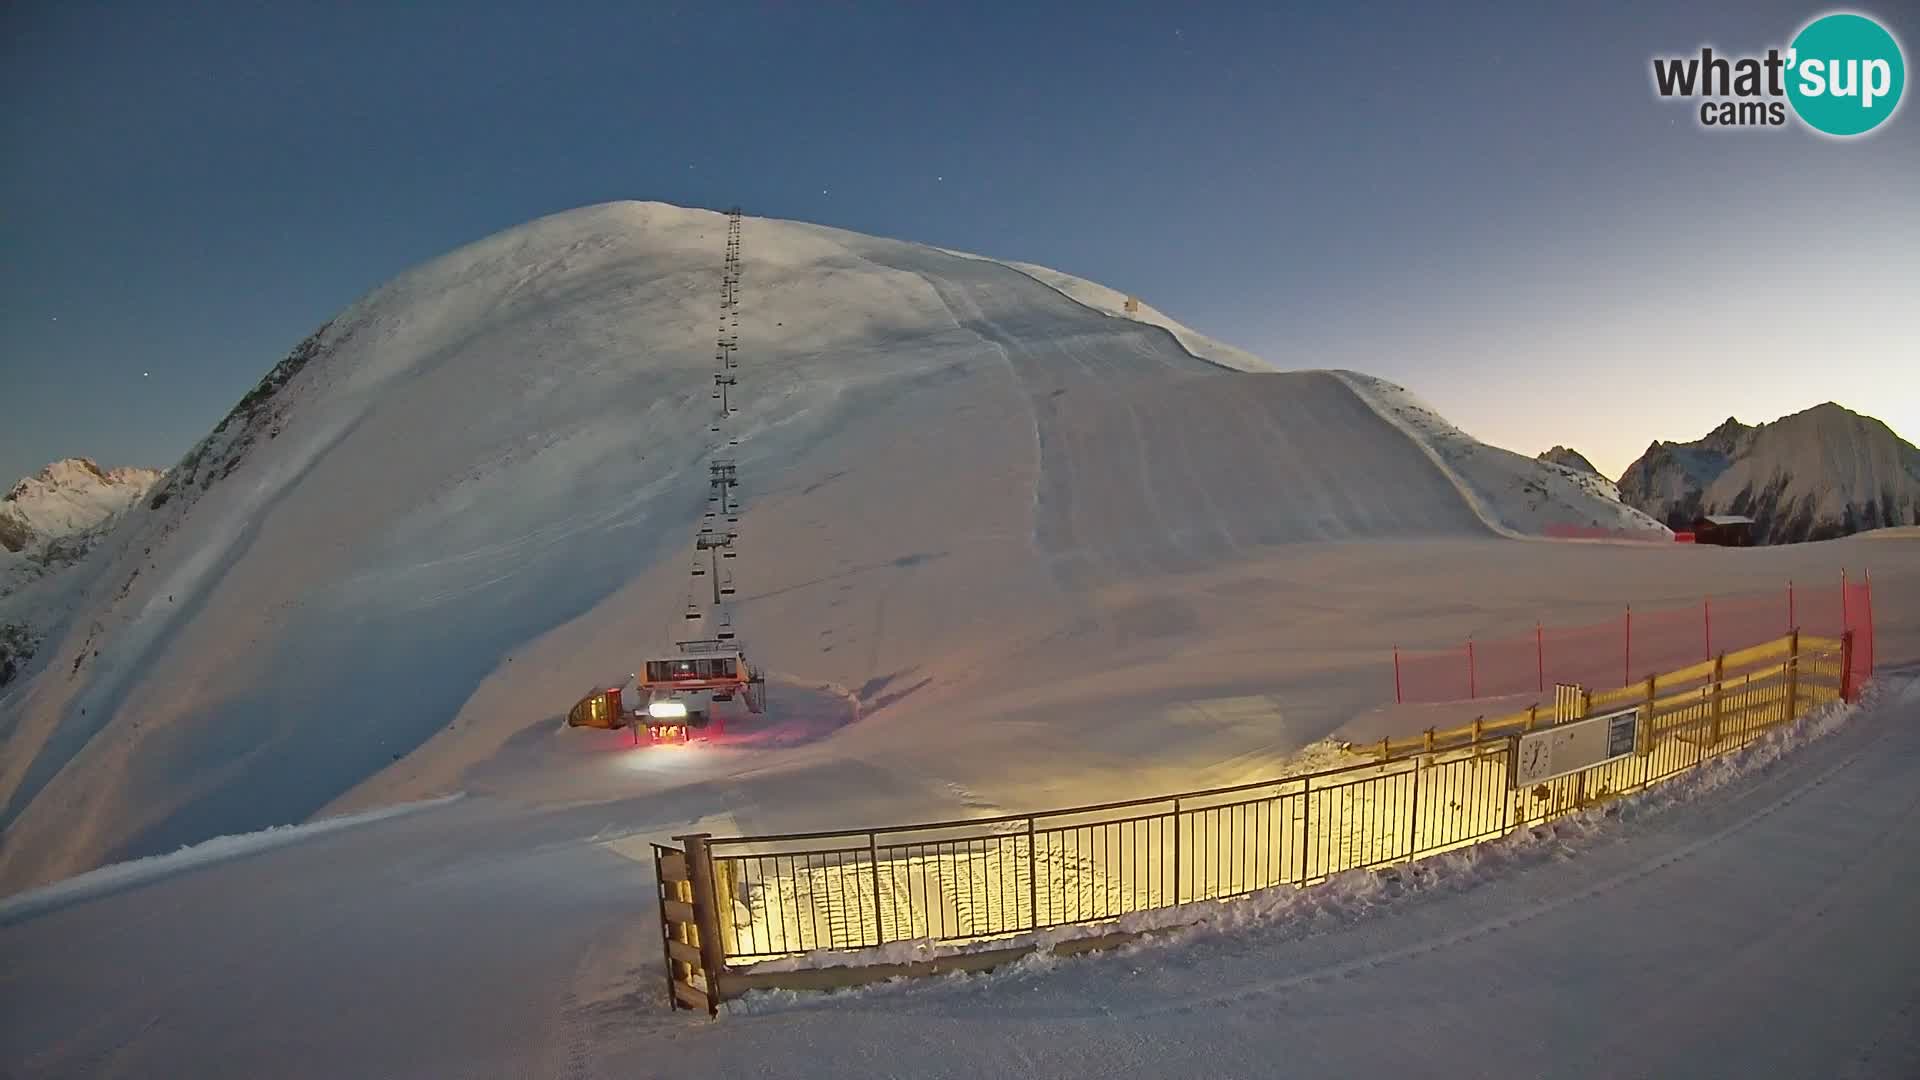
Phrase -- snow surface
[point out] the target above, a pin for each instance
(1743, 920)
(1749, 920)
(121, 876)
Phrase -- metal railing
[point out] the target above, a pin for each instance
(986, 878)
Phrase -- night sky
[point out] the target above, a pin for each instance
(1485, 202)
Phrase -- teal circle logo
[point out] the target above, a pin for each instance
(1845, 74)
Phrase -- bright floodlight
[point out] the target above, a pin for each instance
(667, 710)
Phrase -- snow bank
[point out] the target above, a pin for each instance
(118, 876)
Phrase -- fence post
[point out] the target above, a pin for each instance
(1868, 597)
(1413, 814)
(1533, 716)
(1473, 689)
(1033, 877)
(873, 860)
(1507, 796)
(1793, 621)
(1706, 610)
(1176, 852)
(1306, 808)
(706, 916)
(1626, 678)
(1397, 698)
(1539, 658)
(1719, 669)
(1645, 738)
(1793, 675)
(1848, 693)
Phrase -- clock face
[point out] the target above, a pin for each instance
(1536, 756)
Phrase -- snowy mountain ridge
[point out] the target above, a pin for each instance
(68, 497)
(1813, 475)
(1516, 495)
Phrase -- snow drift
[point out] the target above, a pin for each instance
(500, 457)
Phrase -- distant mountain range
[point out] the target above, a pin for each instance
(1568, 458)
(1814, 475)
(49, 522)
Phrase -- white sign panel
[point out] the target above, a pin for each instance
(1563, 749)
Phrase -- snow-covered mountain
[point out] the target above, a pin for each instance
(502, 455)
(48, 523)
(1571, 458)
(1814, 475)
(67, 498)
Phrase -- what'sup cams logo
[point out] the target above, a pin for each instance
(1842, 76)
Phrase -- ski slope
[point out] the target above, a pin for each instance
(1752, 923)
(465, 499)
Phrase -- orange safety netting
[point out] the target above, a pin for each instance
(1636, 644)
